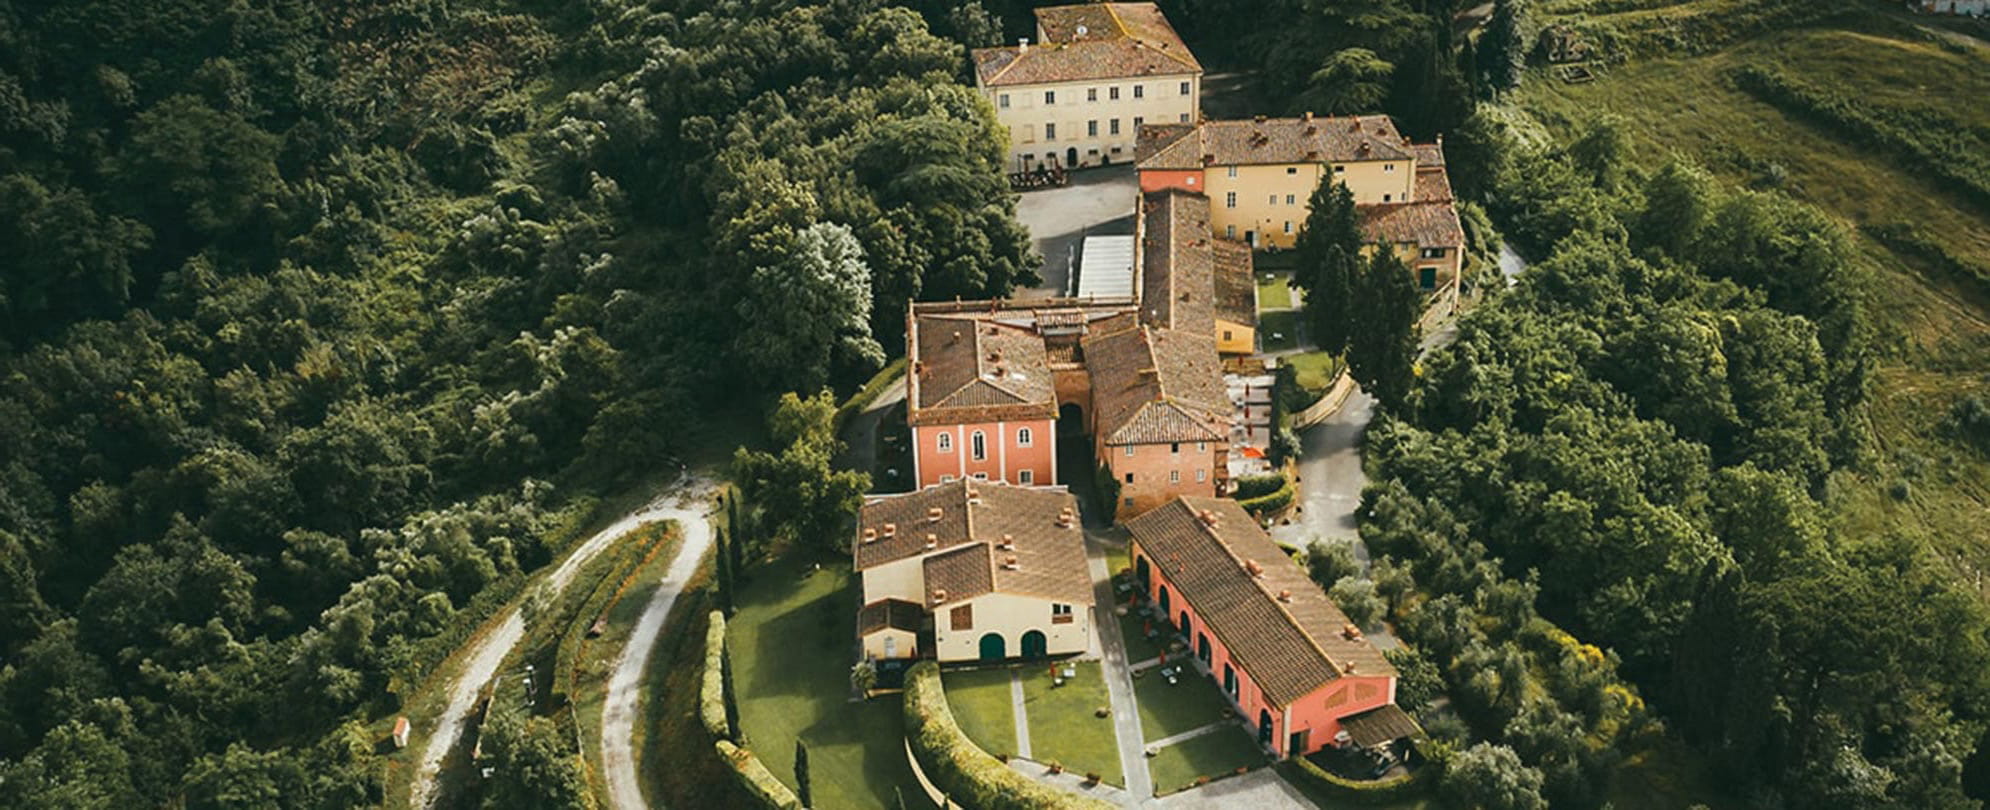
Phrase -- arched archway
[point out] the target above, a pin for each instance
(1070, 421)
(1142, 574)
(1188, 628)
(1264, 727)
(1071, 157)
(1164, 603)
(993, 648)
(1202, 647)
(1035, 645)
(1230, 680)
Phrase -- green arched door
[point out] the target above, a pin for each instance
(993, 648)
(1034, 644)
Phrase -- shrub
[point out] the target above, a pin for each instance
(1259, 507)
(1970, 419)
(1395, 790)
(1329, 563)
(958, 767)
(754, 776)
(1356, 598)
(711, 692)
(1255, 486)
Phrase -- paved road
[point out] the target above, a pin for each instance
(625, 683)
(1119, 680)
(488, 652)
(1098, 201)
(860, 434)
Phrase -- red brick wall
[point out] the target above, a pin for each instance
(1151, 466)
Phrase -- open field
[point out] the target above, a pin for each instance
(1934, 333)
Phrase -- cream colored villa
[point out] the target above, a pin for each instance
(1097, 73)
(973, 570)
(1260, 174)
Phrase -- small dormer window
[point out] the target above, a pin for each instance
(1388, 167)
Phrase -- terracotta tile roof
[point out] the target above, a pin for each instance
(1429, 154)
(958, 575)
(896, 614)
(1177, 265)
(968, 557)
(1385, 723)
(1433, 183)
(1291, 645)
(1156, 385)
(1274, 140)
(1427, 224)
(972, 367)
(1093, 41)
(1236, 283)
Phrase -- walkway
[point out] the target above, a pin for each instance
(1192, 734)
(1119, 678)
(625, 682)
(1261, 789)
(860, 434)
(1021, 714)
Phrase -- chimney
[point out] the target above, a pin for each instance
(1253, 567)
(1208, 517)
(1023, 44)
(1259, 118)
(1306, 116)
(1284, 596)
(1011, 564)
(956, 336)
(1312, 130)
(919, 368)
(890, 530)
(994, 355)
(939, 595)
(870, 535)
(932, 540)
(933, 514)
(1350, 632)
(974, 497)
(1347, 668)
(1149, 371)
(1354, 124)
(1008, 543)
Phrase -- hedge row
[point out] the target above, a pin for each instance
(1258, 486)
(868, 394)
(958, 767)
(1941, 147)
(754, 776)
(711, 692)
(1910, 240)
(1268, 504)
(1393, 790)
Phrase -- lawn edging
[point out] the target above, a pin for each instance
(1381, 791)
(755, 777)
(958, 767)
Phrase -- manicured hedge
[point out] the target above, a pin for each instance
(868, 394)
(967, 774)
(758, 781)
(1382, 791)
(1258, 486)
(1268, 504)
(711, 692)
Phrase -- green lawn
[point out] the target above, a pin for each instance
(1278, 331)
(1118, 558)
(1315, 371)
(1214, 755)
(1274, 293)
(791, 660)
(981, 703)
(1167, 710)
(1064, 725)
(1138, 648)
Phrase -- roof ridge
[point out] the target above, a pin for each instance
(1118, 23)
(1259, 583)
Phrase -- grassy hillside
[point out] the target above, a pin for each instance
(1920, 480)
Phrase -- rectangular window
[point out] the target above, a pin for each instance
(1050, 96)
(1288, 226)
(1175, 447)
(946, 442)
(1024, 437)
(1230, 231)
(978, 443)
(1433, 253)
(1388, 167)
(1061, 614)
(1129, 450)
(1091, 94)
(1230, 200)
(1112, 93)
(1203, 447)
(1340, 169)
(946, 479)
(1185, 88)
(1233, 171)
(1129, 478)
(1091, 129)
(961, 618)
(1292, 170)
(1138, 120)
(1289, 198)
(1140, 91)
(1002, 101)
(1114, 127)
(1387, 197)
(981, 476)
(1126, 501)
(1226, 334)
(1201, 476)
(1273, 200)
(1184, 118)
(1174, 476)
(1050, 132)
(1026, 477)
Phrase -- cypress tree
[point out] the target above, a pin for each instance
(801, 774)
(1329, 249)
(1381, 347)
(729, 696)
(724, 566)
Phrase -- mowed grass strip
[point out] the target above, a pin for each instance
(1214, 755)
(1169, 709)
(792, 646)
(983, 707)
(1064, 724)
(1274, 292)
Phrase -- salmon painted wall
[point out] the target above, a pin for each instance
(1006, 454)
(1162, 472)
(1318, 713)
(1160, 179)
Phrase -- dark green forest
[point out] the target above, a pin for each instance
(324, 322)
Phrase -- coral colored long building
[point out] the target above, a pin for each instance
(1279, 648)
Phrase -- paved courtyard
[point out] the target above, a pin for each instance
(1098, 201)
